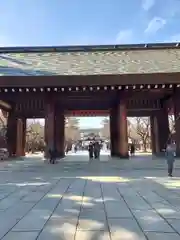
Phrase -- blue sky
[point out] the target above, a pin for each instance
(65, 22)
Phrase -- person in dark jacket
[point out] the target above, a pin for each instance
(90, 149)
(170, 157)
(52, 155)
(132, 149)
(96, 150)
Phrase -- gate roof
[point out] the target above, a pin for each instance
(90, 60)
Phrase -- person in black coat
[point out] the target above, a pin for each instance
(91, 150)
(132, 149)
(97, 149)
(52, 155)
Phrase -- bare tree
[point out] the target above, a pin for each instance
(105, 131)
(132, 133)
(143, 130)
(72, 132)
(3, 128)
(171, 123)
(35, 136)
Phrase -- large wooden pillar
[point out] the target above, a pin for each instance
(122, 129)
(153, 135)
(176, 103)
(20, 136)
(60, 132)
(49, 127)
(162, 128)
(159, 131)
(11, 134)
(16, 135)
(114, 132)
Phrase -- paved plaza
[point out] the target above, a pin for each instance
(81, 200)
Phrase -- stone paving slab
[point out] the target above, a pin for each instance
(115, 210)
(21, 236)
(175, 223)
(59, 228)
(92, 235)
(162, 236)
(150, 221)
(125, 229)
(93, 202)
(95, 224)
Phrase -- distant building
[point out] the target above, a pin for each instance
(90, 133)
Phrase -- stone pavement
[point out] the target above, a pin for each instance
(75, 199)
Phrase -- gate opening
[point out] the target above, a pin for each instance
(35, 141)
(84, 127)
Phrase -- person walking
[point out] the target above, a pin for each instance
(132, 149)
(52, 155)
(96, 150)
(91, 150)
(170, 156)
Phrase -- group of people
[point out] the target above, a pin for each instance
(94, 149)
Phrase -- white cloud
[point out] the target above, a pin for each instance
(155, 25)
(124, 36)
(147, 4)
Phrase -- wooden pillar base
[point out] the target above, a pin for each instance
(122, 156)
(60, 133)
(163, 130)
(16, 131)
(49, 128)
(113, 132)
(153, 137)
(122, 131)
(176, 102)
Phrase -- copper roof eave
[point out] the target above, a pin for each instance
(89, 80)
(89, 48)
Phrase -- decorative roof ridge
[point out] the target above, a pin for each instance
(90, 48)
